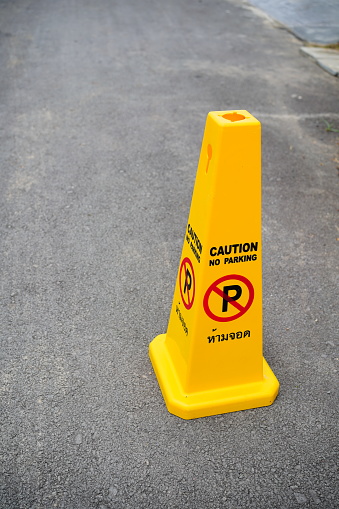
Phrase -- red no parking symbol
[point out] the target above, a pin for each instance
(187, 283)
(228, 308)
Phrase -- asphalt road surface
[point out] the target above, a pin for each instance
(103, 106)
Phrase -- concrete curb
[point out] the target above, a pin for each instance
(327, 59)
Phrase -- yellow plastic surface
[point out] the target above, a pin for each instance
(210, 361)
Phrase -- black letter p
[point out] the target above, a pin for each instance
(230, 298)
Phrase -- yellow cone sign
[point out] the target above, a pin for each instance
(210, 361)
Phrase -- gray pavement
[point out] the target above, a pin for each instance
(310, 20)
(103, 107)
(316, 23)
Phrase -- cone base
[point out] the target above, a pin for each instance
(211, 402)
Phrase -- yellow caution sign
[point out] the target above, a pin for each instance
(210, 361)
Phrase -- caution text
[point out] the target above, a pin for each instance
(194, 242)
(231, 249)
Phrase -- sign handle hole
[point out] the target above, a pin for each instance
(209, 156)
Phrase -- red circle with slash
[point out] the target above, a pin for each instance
(239, 308)
(187, 283)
